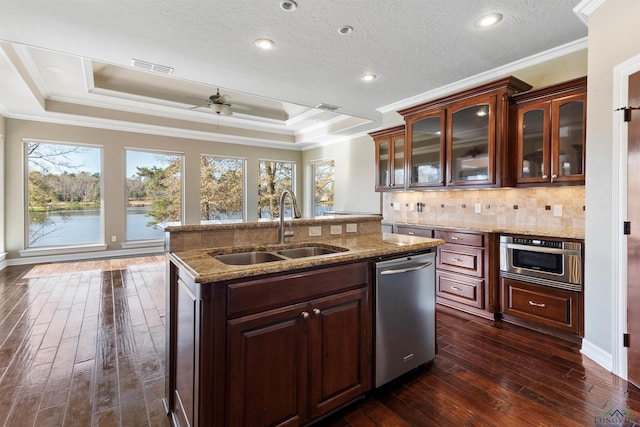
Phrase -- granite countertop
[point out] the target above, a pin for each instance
(206, 269)
(568, 233)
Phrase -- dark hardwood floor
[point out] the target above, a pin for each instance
(82, 344)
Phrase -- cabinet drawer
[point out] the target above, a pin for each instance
(414, 231)
(466, 290)
(262, 294)
(553, 307)
(461, 259)
(460, 237)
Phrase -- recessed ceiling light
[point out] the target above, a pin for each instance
(368, 77)
(288, 5)
(264, 44)
(488, 20)
(347, 29)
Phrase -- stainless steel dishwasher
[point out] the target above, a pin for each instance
(405, 297)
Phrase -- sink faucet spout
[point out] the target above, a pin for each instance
(295, 213)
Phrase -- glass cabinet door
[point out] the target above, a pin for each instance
(398, 161)
(568, 131)
(384, 179)
(472, 143)
(533, 142)
(426, 157)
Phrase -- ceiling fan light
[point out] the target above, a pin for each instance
(221, 109)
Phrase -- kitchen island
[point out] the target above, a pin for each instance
(283, 342)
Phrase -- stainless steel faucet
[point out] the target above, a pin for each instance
(295, 213)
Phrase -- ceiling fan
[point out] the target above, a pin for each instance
(219, 104)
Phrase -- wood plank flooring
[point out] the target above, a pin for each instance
(82, 344)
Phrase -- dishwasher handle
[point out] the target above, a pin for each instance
(405, 270)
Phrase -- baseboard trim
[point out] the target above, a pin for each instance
(597, 354)
(154, 250)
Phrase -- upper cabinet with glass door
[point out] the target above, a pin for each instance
(460, 141)
(390, 158)
(549, 129)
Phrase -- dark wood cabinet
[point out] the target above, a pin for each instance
(461, 140)
(467, 271)
(553, 310)
(549, 127)
(414, 230)
(390, 158)
(277, 350)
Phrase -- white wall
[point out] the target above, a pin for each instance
(354, 188)
(613, 39)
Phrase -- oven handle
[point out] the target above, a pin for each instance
(544, 250)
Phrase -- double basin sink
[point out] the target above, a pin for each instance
(262, 256)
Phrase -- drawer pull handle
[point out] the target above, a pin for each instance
(459, 289)
(305, 315)
(537, 304)
(456, 238)
(457, 259)
(411, 233)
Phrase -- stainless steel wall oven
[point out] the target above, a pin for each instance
(545, 262)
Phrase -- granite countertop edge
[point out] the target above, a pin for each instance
(204, 268)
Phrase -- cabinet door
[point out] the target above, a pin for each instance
(568, 136)
(425, 152)
(340, 350)
(533, 142)
(267, 367)
(390, 159)
(471, 141)
(383, 164)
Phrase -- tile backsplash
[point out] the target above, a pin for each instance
(537, 207)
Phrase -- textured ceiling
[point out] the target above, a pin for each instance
(413, 46)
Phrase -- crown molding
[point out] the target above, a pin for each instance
(585, 8)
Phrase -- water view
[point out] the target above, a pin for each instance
(83, 226)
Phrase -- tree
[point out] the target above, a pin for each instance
(163, 186)
(273, 179)
(221, 188)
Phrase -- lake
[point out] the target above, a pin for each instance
(83, 226)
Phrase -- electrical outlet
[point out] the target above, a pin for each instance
(557, 210)
(412, 207)
(396, 206)
(352, 228)
(114, 238)
(315, 231)
(336, 229)
(478, 208)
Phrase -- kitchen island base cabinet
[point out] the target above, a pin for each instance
(277, 356)
(279, 350)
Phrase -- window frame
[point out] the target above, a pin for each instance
(294, 167)
(244, 186)
(66, 247)
(131, 243)
(313, 164)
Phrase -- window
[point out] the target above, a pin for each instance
(323, 186)
(63, 194)
(154, 187)
(273, 178)
(221, 189)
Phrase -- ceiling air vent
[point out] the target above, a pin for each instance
(328, 107)
(148, 66)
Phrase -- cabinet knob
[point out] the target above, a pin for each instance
(545, 176)
(316, 311)
(305, 315)
(554, 176)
